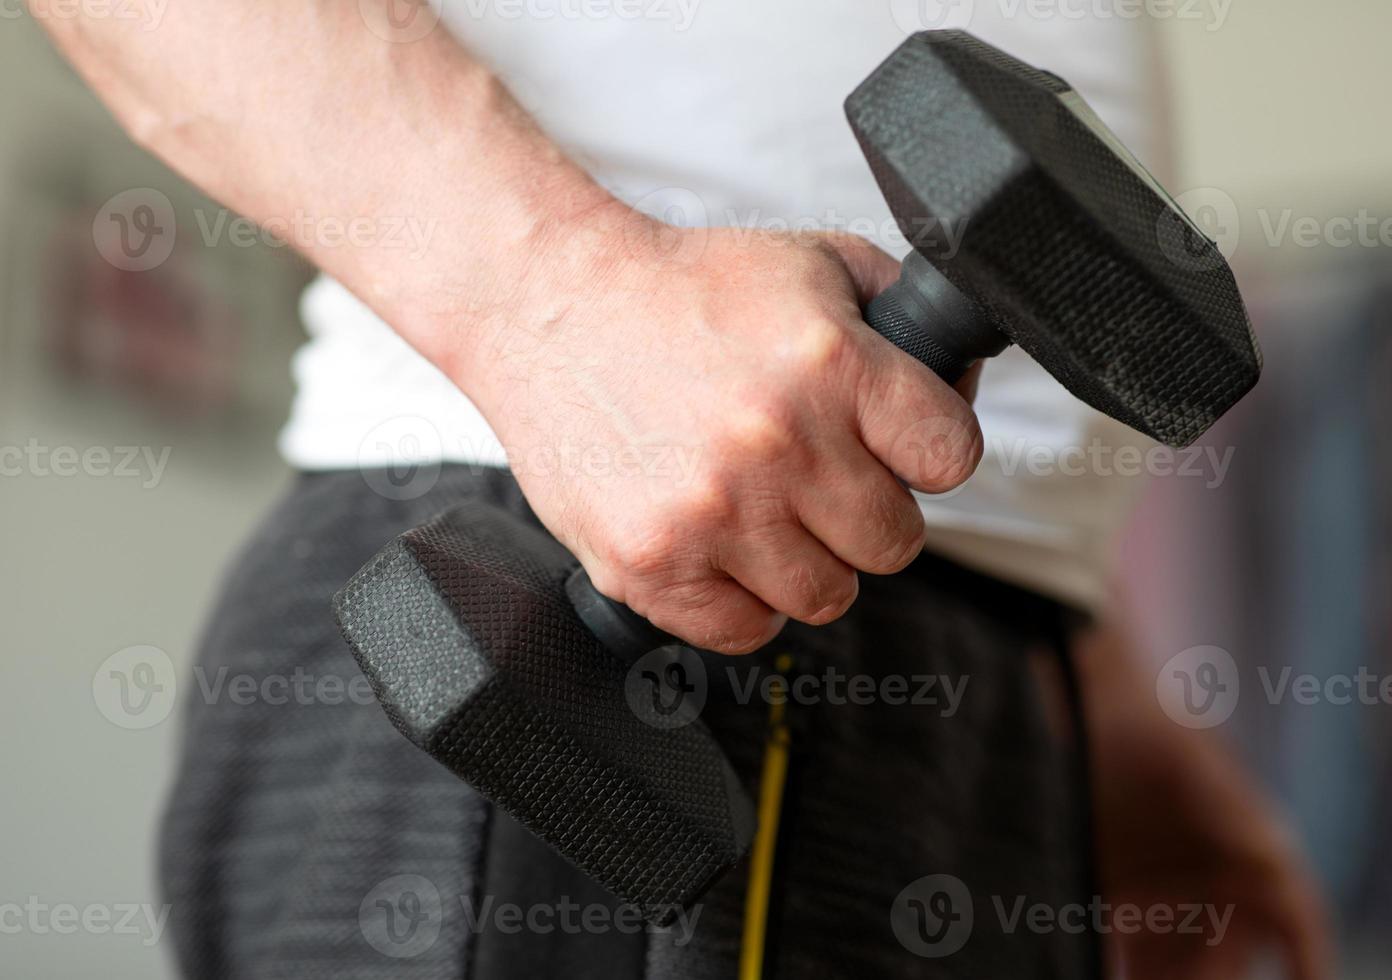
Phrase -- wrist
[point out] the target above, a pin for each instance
(542, 270)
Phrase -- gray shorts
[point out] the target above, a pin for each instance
(935, 792)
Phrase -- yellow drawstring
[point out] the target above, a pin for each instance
(771, 783)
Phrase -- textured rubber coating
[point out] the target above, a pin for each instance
(890, 320)
(1075, 255)
(464, 629)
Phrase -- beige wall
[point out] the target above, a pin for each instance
(1286, 105)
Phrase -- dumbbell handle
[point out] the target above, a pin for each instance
(923, 315)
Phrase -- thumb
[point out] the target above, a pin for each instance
(874, 270)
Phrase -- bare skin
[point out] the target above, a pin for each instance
(574, 322)
(571, 321)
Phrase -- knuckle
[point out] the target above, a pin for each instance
(819, 350)
(763, 430)
(709, 500)
(746, 635)
(701, 611)
(817, 599)
(646, 556)
(897, 532)
(685, 607)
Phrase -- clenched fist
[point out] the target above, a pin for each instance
(703, 418)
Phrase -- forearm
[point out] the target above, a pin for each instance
(300, 117)
(563, 315)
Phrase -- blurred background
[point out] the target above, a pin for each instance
(139, 409)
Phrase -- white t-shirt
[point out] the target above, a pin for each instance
(729, 112)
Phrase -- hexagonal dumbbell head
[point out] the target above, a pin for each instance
(465, 631)
(1002, 177)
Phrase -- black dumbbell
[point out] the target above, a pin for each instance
(489, 649)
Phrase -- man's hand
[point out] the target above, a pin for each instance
(1179, 824)
(704, 419)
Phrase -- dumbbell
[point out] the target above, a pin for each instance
(489, 648)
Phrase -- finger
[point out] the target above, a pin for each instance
(792, 572)
(715, 613)
(914, 422)
(862, 513)
(702, 606)
(872, 269)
